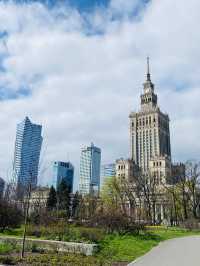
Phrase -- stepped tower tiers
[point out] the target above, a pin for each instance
(149, 129)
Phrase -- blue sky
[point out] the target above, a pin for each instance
(85, 5)
(80, 74)
(88, 4)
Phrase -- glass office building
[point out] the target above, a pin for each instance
(90, 162)
(63, 171)
(27, 153)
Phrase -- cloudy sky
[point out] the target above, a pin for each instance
(77, 68)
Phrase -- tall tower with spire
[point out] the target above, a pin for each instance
(149, 129)
(148, 98)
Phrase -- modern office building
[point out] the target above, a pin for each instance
(2, 187)
(63, 171)
(149, 129)
(107, 171)
(90, 161)
(27, 153)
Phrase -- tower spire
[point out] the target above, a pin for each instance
(148, 70)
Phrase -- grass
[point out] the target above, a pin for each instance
(5, 248)
(129, 247)
(113, 248)
(12, 232)
(125, 248)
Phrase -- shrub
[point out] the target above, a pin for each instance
(14, 244)
(73, 234)
(117, 222)
(191, 224)
(93, 235)
(34, 248)
(5, 248)
(63, 259)
(61, 231)
(55, 231)
(111, 222)
(34, 231)
(134, 228)
(8, 260)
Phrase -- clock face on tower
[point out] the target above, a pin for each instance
(147, 90)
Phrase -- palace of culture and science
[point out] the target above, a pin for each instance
(150, 149)
(149, 129)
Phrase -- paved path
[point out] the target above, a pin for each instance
(175, 252)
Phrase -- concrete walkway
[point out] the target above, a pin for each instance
(175, 252)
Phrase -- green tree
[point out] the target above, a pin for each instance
(52, 199)
(10, 215)
(115, 195)
(76, 205)
(63, 196)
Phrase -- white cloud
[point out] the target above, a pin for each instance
(84, 86)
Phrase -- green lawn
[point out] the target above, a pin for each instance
(125, 248)
(113, 248)
(128, 248)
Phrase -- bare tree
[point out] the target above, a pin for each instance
(26, 219)
(146, 185)
(193, 184)
(173, 203)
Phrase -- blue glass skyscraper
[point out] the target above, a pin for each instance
(90, 162)
(27, 153)
(63, 171)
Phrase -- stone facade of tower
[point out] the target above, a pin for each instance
(149, 130)
(126, 169)
(161, 169)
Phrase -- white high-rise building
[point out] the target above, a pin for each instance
(90, 163)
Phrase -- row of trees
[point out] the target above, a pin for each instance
(146, 201)
(141, 201)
